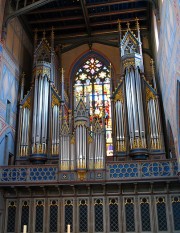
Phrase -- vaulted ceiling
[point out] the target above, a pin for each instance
(82, 21)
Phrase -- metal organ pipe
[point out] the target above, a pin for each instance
(150, 119)
(138, 85)
(24, 135)
(45, 97)
(35, 111)
(129, 107)
(140, 107)
(85, 146)
(117, 120)
(134, 102)
(158, 121)
(155, 119)
(39, 110)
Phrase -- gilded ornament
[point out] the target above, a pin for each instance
(149, 95)
(81, 175)
(27, 103)
(55, 101)
(119, 96)
(90, 140)
(121, 146)
(39, 149)
(73, 140)
(138, 143)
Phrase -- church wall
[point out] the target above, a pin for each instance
(15, 57)
(167, 57)
(2, 5)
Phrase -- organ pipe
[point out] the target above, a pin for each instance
(24, 134)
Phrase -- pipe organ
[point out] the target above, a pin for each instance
(136, 105)
(125, 124)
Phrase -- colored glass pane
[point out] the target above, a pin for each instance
(92, 84)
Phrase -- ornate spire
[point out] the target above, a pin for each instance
(22, 85)
(138, 29)
(35, 37)
(128, 26)
(44, 34)
(52, 38)
(119, 30)
(62, 83)
(153, 72)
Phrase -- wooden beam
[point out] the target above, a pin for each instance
(98, 33)
(51, 20)
(111, 22)
(52, 10)
(120, 12)
(114, 2)
(26, 9)
(85, 14)
(62, 28)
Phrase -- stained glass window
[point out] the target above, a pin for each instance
(11, 217)
(176, 212)
(83, 216)
(161, 214)
(39, 217)
(113, 215)
(68, 215)
(98, 215)
(92, 84)
(129, 214)
(53, 216)
(145, 215)
(25, 215)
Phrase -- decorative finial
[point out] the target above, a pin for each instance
(52, 33)
(128, 24)
(52, 38)
(119, 25)
(90, 46)
(22, 85)
(119, 30)
(137, 23)
(153, 72)
(62, 72)
(110, 67)
(35, 37)
(44, 34)
(152, 66)
(62, 87)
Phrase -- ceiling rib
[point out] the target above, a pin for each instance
(120, 12)
(26, 9)
(112, 22)
(86, 18)
(133, 10)
(56, 19)
(52, 10)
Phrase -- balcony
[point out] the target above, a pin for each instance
(115, 172)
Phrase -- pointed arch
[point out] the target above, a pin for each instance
(91, 82)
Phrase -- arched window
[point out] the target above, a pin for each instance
(92, 83)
